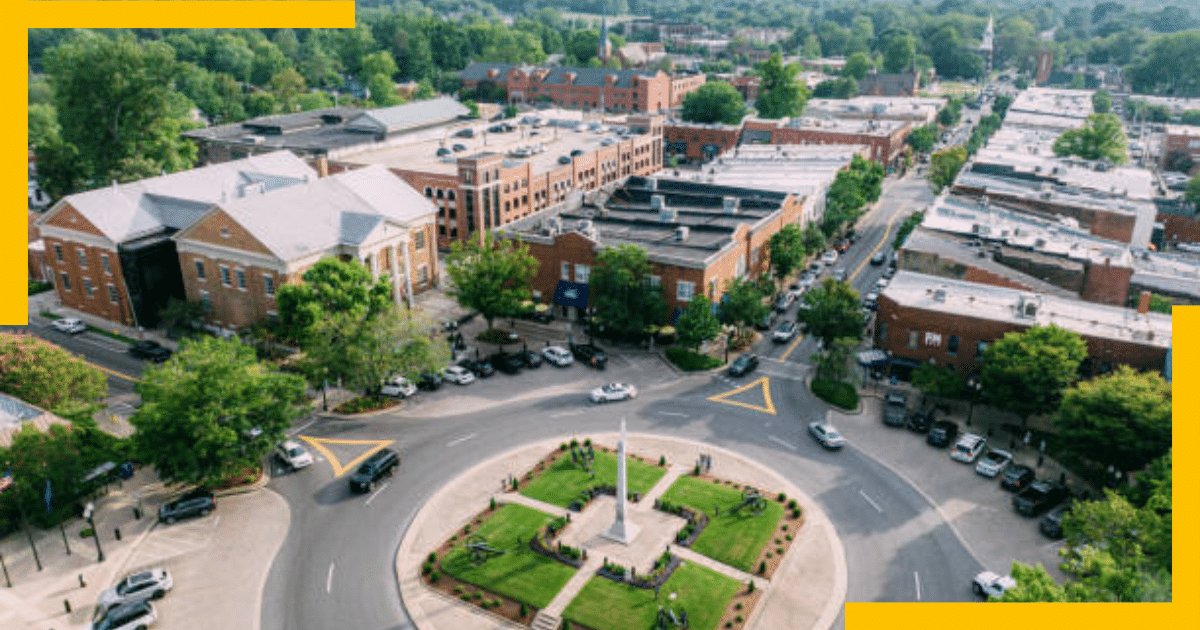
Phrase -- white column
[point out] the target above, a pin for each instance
(622, 530)
(407, 271)
(395, 275)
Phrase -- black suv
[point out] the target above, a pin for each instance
(198, 502)
(1016, 477)
(149, 350)
(481, 369)
(589, 355)
(921, 420)
(1051, 523)
(429, 382)
(895, 408)
(942, 434)
(530, 359)
(1039, 496)
(743, 365)
(507, 363)
(377, 466)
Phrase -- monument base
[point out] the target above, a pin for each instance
(623, 533)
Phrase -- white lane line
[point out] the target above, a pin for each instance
(376, 493)
(868, 500)
(460, 440)
(793, 377)
(780, 442)
(302, 427)
(672, 413)
(329, 579)
(917, 579)
(566, 413)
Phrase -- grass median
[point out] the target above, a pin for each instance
(734, 539)
(605, 605)
(562, 482)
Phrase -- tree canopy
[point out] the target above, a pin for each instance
(714, 102)
(45, 375)
(697, 323)
(1026, 372)
(923, 138)
(1121, 419)
(944, 166)
(364, 353)
(621, 298)
(787, 250)
(330, 287)
(833, 312)
(780, 94)
(491, 277)
(743, 304)
(858, 65)
(1100, 138)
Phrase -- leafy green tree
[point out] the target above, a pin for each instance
(619, 294)
(910, 223)
(858, 66)
(780, 95)
(743, 304)
(43, 124)
(898, 53)
(1100, 138)
(833, 361)
(836, 88)
(1026, 372)
(833, 312)
(813, 238)
(697, 323)
(383, 90)
(1101, 101)
(715, 101)
(944, 166)
(261, 103)
(212, 410)
(952, 56)
(1121, 419)
(381, 62)
(47, 376)
(364, 353)
(852, 188)
(787, 251)
(1192, 192)
(1190, 117)
(182, 315)
(1034, 584)
(1000, 105)
(36, 457)
(287, 86)
(812, 47)
(61, 170)
(491, 277)
(951, 113)
(329, 287)
(313, 100)
(923, 138)
(1169, 64)
(938, 381)
(1021, 83)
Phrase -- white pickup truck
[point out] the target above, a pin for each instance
(988, 584)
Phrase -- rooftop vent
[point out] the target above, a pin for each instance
(681, 233)
(657, 202)
(1027, 306)
(939, 295)
(731, 205)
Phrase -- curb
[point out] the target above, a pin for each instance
(262, 481)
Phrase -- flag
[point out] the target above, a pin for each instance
(47, 496)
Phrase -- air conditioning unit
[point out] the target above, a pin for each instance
(681, 233)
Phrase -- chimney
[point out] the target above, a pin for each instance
(681, 233)
(1144, 303)
(322, 166)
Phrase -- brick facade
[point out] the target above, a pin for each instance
(77, 254)
(697, 143)
(684, 84)
(644, 92)
(1179, 228)
(1114, 225)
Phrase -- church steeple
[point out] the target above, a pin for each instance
(604, 46)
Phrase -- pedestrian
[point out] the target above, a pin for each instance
(1028, 436)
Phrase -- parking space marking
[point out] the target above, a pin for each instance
(460, 440)
(563, 414)
(780, 442)
(917, 579)
(764, 383)
(672, 413)
(329, 579)
(868, 500)
(340, 469)
(376, 493)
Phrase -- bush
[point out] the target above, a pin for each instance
(796, 513)
(435, 576)
(492, 503)
(784, 527)
(662, 460)
(515, 483)
(524, 609)
(563, 447)
(837, 394)
(432, 556)
(690, 360)
(750, 587)
(478, 595)
(426, 568)
(789, 537)
(792, 504)
(739, 619)
(466, 597)
(493, 335)
(587, 441)
(696, 471)
(36, 287)
(87, 532)
(762, 567)
(781, 498)
(458, 589)
(737, 606)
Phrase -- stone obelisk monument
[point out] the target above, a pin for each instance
(622, 530)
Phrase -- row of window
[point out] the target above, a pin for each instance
(684, 289)
(88, 288)
(83, 263)
(235, 276)
(929, 339)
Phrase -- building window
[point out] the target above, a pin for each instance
(269, 285)
(980, 348)
(933, 339)
(104, 263)
(66, 282)
(200, 271)
(225, 276)
(58, 252)
(581, 273)
(419, 239)
(423, 274)
(82, 257)
(652, 281)
(428, 191)
(912, 339)
(241, 278)
(882, 333)
(206, 301)
(87, 286)
(952, 346)
(224, 232)
(566, 271)
(112, 294)
(684, 290)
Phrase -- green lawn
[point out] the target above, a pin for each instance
(734, 540)
(606, 605)
(520, 573)
(563, 481)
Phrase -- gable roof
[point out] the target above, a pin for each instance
(408, 116)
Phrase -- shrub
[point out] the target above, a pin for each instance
(562, 447)
(837, 394)
(750, 587)
(792, 504)
(493, 335)
(778, 542)
(492, 503)
(574, 442)
(435, 576)
(87, 532)
(784, 527)
(587, 441)
(478, 595)
(466, 597)
(432, 557)
(738, 606)
(427, 568)
(796, 513)
(696, 471)
(781, 498)
(691, 361)
(779, 551)
(515, 483)
(36, 287)
(458, 589)
(762, 567)
(467, 528)
(789, 536)
(524, 609)
(739, 619)
(728, 624)
(662, 460)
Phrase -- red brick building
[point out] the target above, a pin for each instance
(1181, 140)
(695, 142)
(885, 137)
(582, 88)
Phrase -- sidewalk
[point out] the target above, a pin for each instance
(48, 301)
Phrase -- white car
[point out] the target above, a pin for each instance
(294, 455)
(807, 281)
(993, 463)
(136, 587)
(69, 325)
(558, 356)
(134, 616)
(989, 584)
(881, 284)
(398, 387)
(613, 391)
(826, 435)
(968, 448)
(456, 374)
(784, 333)
(829, 257)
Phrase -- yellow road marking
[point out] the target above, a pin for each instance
(764, 382)
(799, 338)
(338, 468)
(878, 245)
(115, 373)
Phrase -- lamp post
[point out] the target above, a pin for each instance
(973, 387)
(88, 513)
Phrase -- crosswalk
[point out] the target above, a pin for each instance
(168, 541)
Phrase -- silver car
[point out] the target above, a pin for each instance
(136, 587)
(558, 356)
(613, 391)
(69, 325)
(993, 463)
(294, 455)
(826, 435)
(134, 616)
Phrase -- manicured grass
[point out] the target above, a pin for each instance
(838, 394)
(605, 605)
(690, 360)
(519, 573)
(562, 482)
(736, 540)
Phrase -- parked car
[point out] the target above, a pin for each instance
(878, 259)
(881, 283)
(291, 453)
(458, 375)
(198, 502)
(968, 448)
(842, 244)
(150, 350)
(69, 325)
(889, 272)
(134, 616)
(815, 267)
(871, 302)
(784, 333)
(481, 369)
(136, 587)
(988, 584)
(795, 290)
(459, 147)
(1039, 496)
(1016, 478)
(443, 152)
(507, 362)
(743, 365)
(379, 465)
(895, 408)
(807, 280)
(826, 435)
(942, 433)
(829, 257)
(839, 274)
(465, 133)
(993, 463)
(590, 355)
(767, 321)
(613, 391)
(1051, 523)
(558, 355)
(783, 301)
(922, 419)
(530, 359)
(429, 381)
(398, 387)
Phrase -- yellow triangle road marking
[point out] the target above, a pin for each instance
(339, 468)
(764, 383)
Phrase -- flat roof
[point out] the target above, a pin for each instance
(802, 169)
(957, 248)
(1065, 103)
(1135, 183)
(906, 107)
(1033, 120)
(1171, 272)
(840, 125)
(988, 302)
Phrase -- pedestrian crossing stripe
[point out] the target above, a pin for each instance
(340, 469)
(764, 383)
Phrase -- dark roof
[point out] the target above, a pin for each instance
(887, 84)
(478, 70)
(590, 77)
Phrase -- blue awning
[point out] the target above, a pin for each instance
(569, 293)
(872, 358)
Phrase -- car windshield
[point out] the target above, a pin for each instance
(295, 451)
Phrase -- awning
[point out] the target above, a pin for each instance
(569, 293)
(872, 357)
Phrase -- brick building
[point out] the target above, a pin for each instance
(240, 251)
(885, 137)
(698, 237)
(684, 84)
(582, 88)
(901, 84)
(697, 142)
(929, 319)
(110, 249)
(36, 250)
(917, 110)
(747, 86)
(1181, 140)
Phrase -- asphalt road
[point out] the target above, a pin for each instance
(108, 354)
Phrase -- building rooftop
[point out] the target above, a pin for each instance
(16, 414)
(833, 125)
(1055, 102)
(982, 301)
(960, 249)
(1173, 273)
(1135, 183)
(1030, 140)
(1049, 122)
(1177, 104)
(805, 170)
(1183, 130)
(886, 107)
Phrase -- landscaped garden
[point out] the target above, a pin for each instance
(562, 482)
(606, 605)
(736, 539)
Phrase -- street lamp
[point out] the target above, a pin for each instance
(973, 387)
(87, 515)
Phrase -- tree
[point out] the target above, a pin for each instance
(898, 53)
(1034, 584)
(1100, 138)
(938, 381)
(713, 102)
(1192, 192)
(383, 90)
(38, 457)
(836, 88)
(697, 323)
(61, 170)
(780, 95)
(743, 304)
(944, 166)
(620, 296)
(43, 124)
(364, 353)
(1021, 83)
(1121, 419)
(786, 249)
(287, 86)
(833, 361)
(923, 138)
(910, 223)
(833, 312)
(1101, 101)
(212, 411)
(183, 315)
(329, 287)
(1026, 372)
(858, 66)
(491, 277)
(45, 375)
(814, 239)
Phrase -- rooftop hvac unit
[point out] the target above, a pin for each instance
(731, 205)
(681, 233)
(657, 202)
(939, 295)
